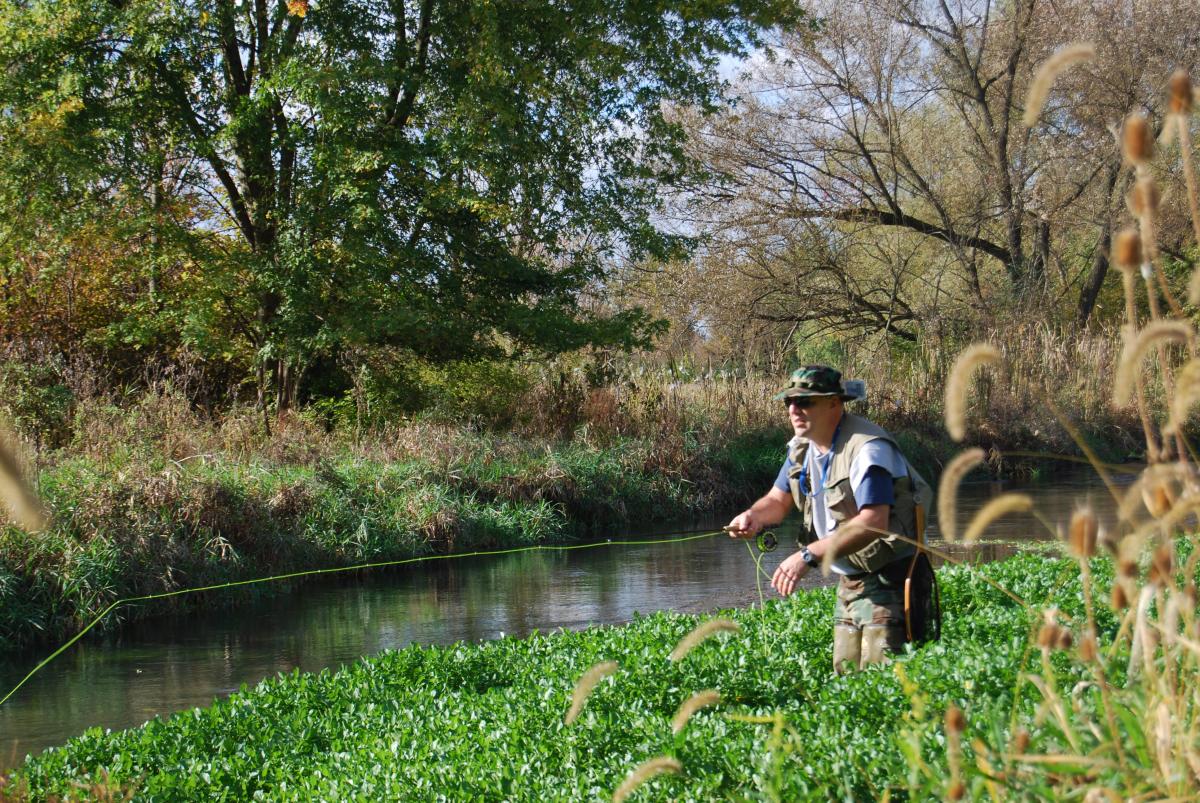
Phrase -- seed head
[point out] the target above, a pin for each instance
(1084, 529)
(1047, 636)
(1144, 198)
(1180, 92)
(1127, 568)
(1120, 600)
(1137, 140)
(958, 384)
(1064, 640)
(956, 791)
(1127, 250)
(1020, 742)
(1087, 649)
(1162, 567)
(956, 721)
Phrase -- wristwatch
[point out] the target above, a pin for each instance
(808, 557)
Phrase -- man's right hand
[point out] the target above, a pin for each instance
(744, 525)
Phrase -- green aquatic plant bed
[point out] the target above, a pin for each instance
(485, 721)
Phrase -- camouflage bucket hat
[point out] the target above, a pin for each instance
(820, 380)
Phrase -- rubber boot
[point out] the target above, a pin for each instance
(847, 649)
(880, 642)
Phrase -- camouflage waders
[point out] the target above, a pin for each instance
(868, 619)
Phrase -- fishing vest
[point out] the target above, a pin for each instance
(911, 493)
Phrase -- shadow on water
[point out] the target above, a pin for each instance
(170, 664)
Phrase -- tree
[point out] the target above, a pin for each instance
(875, 175)
(439, 176)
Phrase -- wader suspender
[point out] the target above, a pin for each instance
(935, 592)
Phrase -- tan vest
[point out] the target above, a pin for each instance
(910, 492)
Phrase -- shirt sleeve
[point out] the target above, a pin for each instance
(781, 480)
(875, 488)
(875, 468)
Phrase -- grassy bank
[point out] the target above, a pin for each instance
(487, 721)
(132, 525)
(149, 494)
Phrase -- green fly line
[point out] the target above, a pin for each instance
(379, 565)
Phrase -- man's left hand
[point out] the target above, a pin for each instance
(788, 575)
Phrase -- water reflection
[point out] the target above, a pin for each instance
(174, 663)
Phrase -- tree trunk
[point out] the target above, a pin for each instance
(1095, 280)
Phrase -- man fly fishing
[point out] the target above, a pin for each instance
(856, 491)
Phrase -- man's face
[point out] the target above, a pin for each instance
(812, 413)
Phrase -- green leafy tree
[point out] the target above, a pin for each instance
(441, 177)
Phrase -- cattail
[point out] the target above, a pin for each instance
(1083, 532)
(1048, 71)
(1127, 249)
(1135, 350)
(703, 631)
(956, 721)
(645, 771)
(1000, 506)
(1144, 198)
(952, 476)
(1137, 141)
(1179, 94)
(585, 685)
(24, 508)
(701, 699)
(959, 383)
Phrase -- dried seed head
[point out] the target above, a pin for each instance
(1087, 649)
(1120, 600)
(1050, 69)
(956, 791)
(583, 688)
(1000, 506)
(956, 721)
(1020, 742)
(700, 633)
(1162, 567)
(959, 382)
(1144, 198)
(1137, 140)
(643, 772)
(691, 705)
(1133, 352)
(1158, 499)
(1180, 92)
(1127, 568)
(947, 497)
(1064, 640)
(1084, 530)
(1127, 250)
(1047, 636)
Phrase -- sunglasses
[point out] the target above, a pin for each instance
(803, 402)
